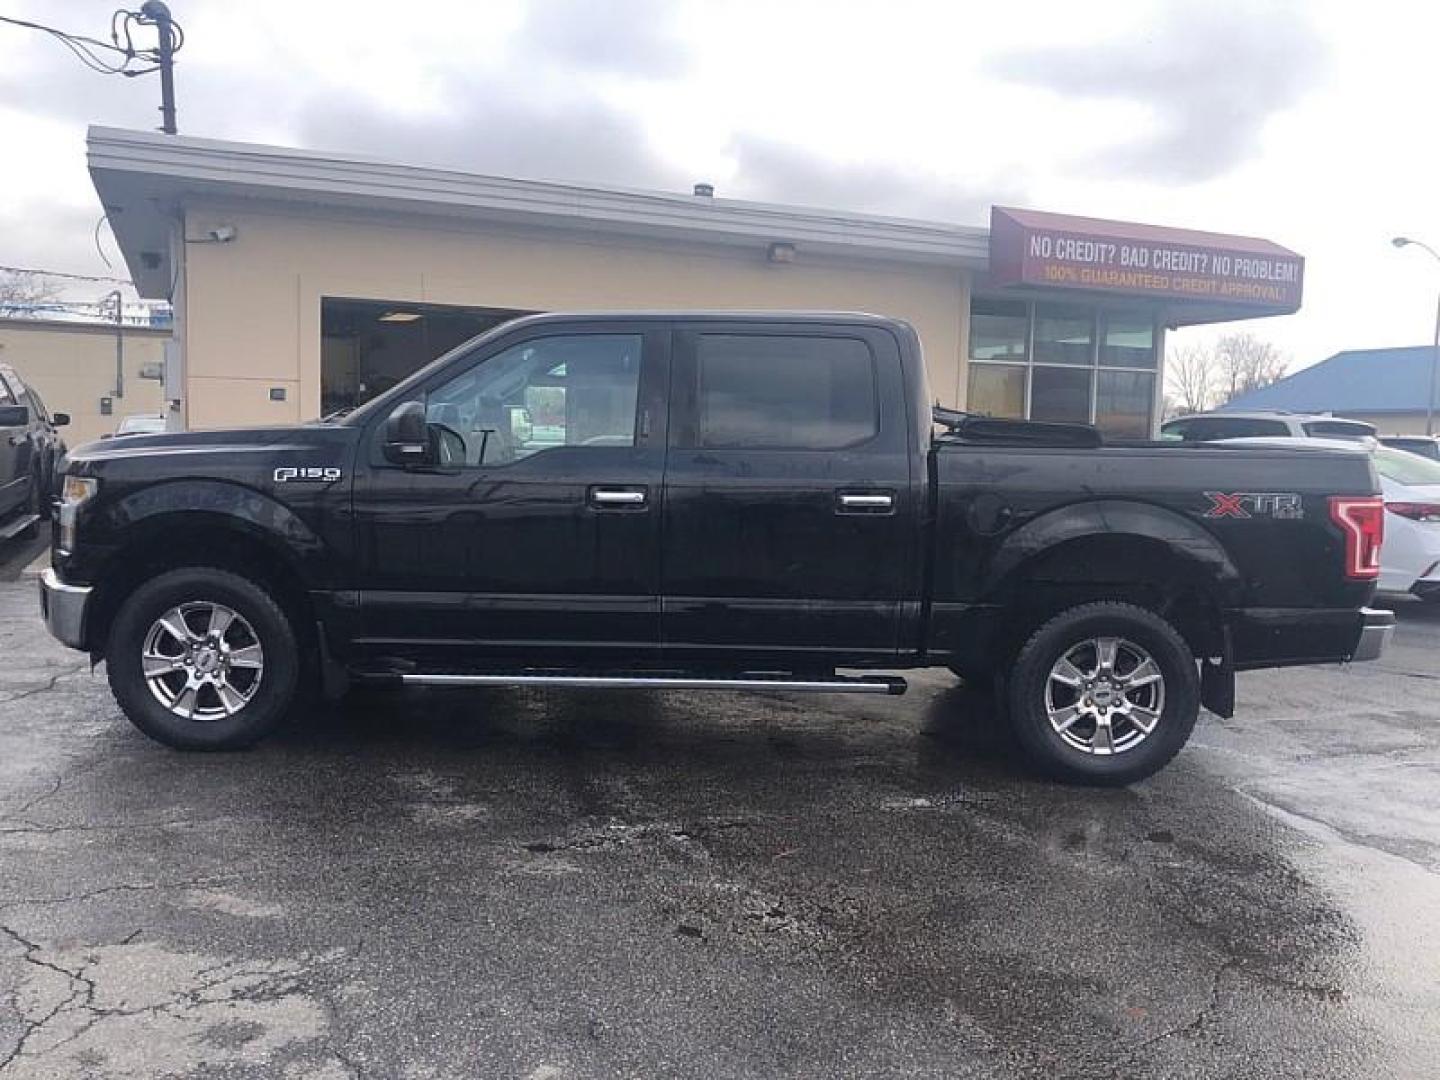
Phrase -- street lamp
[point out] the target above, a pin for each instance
(1405, 241)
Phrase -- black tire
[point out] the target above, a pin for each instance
(276, 682)
(1028, 680)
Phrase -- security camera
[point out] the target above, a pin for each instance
(222, 234)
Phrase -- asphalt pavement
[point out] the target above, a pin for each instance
(577, 884)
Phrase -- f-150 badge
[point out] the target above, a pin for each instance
(288, 473)
(1281, 505)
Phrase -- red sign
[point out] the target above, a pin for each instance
(1031, 248)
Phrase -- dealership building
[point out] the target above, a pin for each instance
(304, 283)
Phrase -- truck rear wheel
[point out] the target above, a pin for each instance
(1105, 693)
(203, 659)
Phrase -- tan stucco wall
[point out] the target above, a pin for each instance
(1391, 423)
(252, 310)
(73, 367)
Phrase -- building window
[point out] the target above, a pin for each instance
(997, 389)
(999, 330)
(1060, 394)
(1064, 362)
(1129, 340)
(1123, 403)
(1064, 335)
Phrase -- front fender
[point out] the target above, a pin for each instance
(154, 513)
(1185, 540)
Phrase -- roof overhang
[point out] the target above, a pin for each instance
(144, 180)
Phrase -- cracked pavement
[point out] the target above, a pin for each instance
(575, 884)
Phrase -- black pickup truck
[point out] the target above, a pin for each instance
(733, 501)
(30, 448)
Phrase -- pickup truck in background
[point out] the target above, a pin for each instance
(30, 448)
(736, 501)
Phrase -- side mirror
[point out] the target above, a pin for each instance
(522, 426)
(14, 416)
(407, 436)
(60, 419)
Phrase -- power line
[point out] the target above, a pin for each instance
(161, 58)
(64, 274)
(80, 45)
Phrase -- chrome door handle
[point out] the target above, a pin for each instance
(617, 498)
(867, 502)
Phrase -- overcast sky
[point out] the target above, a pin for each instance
(1310, 123)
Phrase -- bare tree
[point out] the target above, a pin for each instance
(22, 290)
(1245, 363)
(1190, 377)
(1200, 377)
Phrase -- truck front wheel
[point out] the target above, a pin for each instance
(1105, 693)
(203, 659)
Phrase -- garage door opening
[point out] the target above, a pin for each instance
(367, 346)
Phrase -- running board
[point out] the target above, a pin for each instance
(19, 525)
(837, 684)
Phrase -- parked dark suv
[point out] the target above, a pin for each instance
(29, 450)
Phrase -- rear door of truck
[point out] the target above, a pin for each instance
(790, 507)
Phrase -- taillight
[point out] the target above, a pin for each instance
(1363, 523)
(1415, 511)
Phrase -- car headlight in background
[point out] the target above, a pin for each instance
(75, 493)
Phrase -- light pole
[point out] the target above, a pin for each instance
(1405, 241)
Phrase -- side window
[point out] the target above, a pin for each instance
(1338, 429)
(1219, 427)
(1247, 429)
(567, 390)
(5, 396)
(758, 391)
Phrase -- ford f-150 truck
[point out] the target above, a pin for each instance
(734, 501)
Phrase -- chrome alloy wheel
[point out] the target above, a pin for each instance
(202, 661)
(1105, 696)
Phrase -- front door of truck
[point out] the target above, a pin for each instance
(14, 455)
(537, 538)
(790, 520)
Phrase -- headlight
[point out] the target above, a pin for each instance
(76, 491)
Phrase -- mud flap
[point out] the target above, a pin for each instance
(1217, 680)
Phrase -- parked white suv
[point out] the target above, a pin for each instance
(1207, 427)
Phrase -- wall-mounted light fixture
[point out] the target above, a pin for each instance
(220, 234)
(400, 316)
(781, 253)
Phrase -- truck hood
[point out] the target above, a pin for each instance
(219, 442)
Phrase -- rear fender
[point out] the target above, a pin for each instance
(1188, 543)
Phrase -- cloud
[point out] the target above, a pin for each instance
(775, 171)
(1212, 76)
(636, 38)
(488, 127)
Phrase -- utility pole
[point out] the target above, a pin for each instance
(119, 299)
(155, 11)
(1405, 241)
(119, 55)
